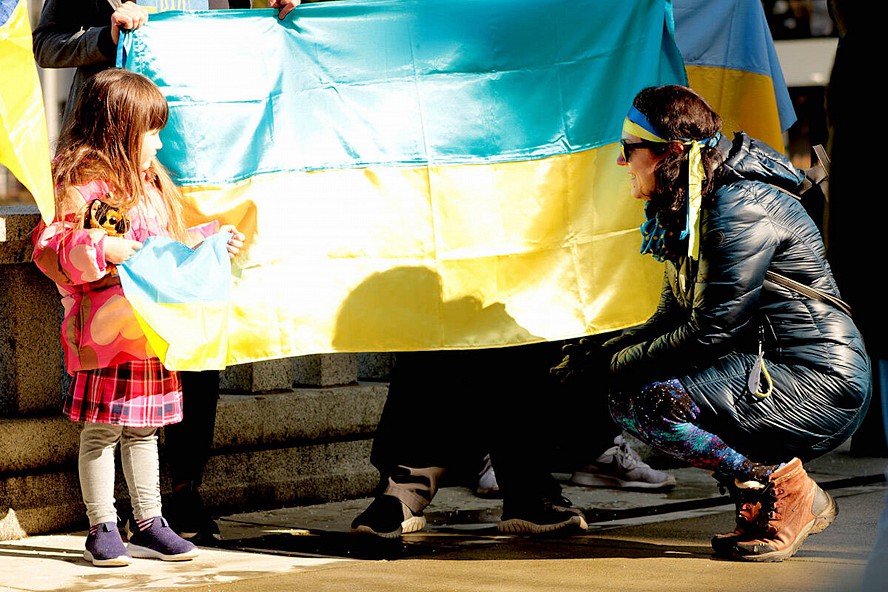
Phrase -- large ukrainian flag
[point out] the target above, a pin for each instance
(730, 59)
(24, 143)
(414, 174)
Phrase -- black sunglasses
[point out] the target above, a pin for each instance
(627, 148)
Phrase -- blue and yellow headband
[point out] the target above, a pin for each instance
(637, 124)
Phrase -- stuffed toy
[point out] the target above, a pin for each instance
(113, 221)
(105, 216)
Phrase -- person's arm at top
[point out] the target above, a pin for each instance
(72, 33)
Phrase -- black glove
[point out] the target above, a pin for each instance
(585, 359)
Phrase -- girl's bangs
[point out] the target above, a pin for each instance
(158, 112)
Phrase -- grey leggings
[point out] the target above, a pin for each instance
(139, 459)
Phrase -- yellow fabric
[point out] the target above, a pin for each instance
(630, 127)
(695, 199)
(190, 350)
(744, 100)
(24, 143)
(553, 256)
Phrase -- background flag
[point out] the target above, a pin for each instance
(414, 174)
(24, 142)
(730, 59)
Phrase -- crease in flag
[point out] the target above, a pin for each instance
(416, 174)
(24, 141)
(730, 59)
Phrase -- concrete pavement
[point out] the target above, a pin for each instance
(636, 541)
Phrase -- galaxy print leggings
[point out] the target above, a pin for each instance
(663, 415)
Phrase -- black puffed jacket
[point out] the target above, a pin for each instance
(715, 313)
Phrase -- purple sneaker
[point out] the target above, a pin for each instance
(155, 539)
(104, 547)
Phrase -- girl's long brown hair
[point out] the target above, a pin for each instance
(103, 141)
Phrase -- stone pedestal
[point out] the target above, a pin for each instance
(325, 370)
(258, 377)
(31, 365)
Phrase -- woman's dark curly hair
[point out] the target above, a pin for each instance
(678, 113)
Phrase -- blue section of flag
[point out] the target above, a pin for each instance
(394, 82)
(165, 271)
(161, 5)
(6, 8)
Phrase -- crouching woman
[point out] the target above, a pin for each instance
(735, 372)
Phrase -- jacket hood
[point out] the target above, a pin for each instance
(753, 160)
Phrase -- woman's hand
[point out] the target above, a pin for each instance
(128, 16)
(585, 359)
(235, 242)
(118, 249)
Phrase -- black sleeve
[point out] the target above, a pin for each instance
(74, 33)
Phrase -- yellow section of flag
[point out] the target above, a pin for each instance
(744, 100)
(497, 254)
(24, 142)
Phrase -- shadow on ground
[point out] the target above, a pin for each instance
(472, 534)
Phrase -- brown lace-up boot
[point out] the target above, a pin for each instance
(793, 507)
(747, 502)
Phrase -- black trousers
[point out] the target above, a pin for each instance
(447, 408)
(187, 444)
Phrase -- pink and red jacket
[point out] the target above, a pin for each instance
(99, 329)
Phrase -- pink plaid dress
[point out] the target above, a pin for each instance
(141, 393)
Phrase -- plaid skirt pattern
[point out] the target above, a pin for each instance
(139, 394)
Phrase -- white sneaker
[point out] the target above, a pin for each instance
(487, 486)
(621, 467)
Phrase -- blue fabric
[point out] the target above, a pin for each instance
(354, 84)
(165, 271)
(6, 8)
(161, 5)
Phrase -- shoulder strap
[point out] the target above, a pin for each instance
(808, 291)
(818, 173)
(815, 176)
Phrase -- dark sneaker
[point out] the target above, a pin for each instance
(154, 539)
(189, 518)
(543, 517)
(104, 547)
(389, 518)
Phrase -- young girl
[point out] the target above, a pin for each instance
(105, 165)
